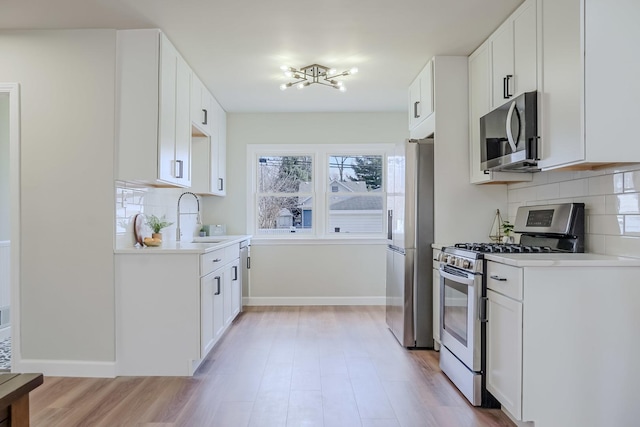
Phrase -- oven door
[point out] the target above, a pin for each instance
(460, 323)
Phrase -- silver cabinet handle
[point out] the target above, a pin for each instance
(204, 122)
(217, 260)
(217, 278)
(179, 168)
(415, 110)
(498, 278)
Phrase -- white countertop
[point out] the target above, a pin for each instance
(562, 260)
(200, 245)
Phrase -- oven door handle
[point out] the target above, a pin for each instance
(469, 281)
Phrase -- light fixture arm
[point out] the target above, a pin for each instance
(315, 73)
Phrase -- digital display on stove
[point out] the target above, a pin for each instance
(540, 218)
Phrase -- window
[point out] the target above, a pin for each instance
(317, 191)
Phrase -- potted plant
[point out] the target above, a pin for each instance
(156, 224)
(507, 230)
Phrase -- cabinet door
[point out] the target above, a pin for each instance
(426, 91)
(183, 123)
(207, 336)
(236, 289)
(414, 103)
(227, 295)
(218, 304)
(436, 305)
(525, 63)
(479, 100)
(174, 144)
(504, 351)
(502, 64)
(199, 115)
(167, 115)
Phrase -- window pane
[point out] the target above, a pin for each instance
(355, 214)
(283, 215)
(284, 174)
(365, 170)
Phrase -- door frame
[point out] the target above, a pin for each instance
(13, 90)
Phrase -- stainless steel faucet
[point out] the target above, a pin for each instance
(178, 233)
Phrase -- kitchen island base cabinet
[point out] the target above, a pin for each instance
(171, 309)
(577, 358)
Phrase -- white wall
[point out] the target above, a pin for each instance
(67, 101)
(350, 274)
(5, 231)
(612, 204)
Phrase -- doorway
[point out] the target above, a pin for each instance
(9, 223)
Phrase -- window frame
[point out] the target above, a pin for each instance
(320, 191)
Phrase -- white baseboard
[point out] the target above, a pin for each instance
(66, 368)
(276, 301)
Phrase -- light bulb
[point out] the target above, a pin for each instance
(284, 68)
(340, 83)
(283, 86)
(342, 88)
(288, 73)
(332, 71)
(354, 70)
(300, 85)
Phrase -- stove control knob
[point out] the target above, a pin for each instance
(466, 264)
(452, 260)
(444, 258)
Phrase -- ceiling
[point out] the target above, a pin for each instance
(236, 47)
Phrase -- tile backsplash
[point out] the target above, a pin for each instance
(612, 204)
(132, 200)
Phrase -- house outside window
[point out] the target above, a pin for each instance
(317, 191)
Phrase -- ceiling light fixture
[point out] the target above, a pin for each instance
(315, 73)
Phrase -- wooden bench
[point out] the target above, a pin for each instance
(14, 398)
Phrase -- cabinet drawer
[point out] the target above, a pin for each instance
(505, 279)
(213, 260)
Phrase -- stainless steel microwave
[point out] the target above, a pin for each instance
(509, 136)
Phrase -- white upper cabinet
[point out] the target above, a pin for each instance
(480, 104)
(590, 86)
(201, 107)
(514, 55)
(421, 96)
(153, 110)
(209, 155)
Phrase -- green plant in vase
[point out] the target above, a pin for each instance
(507, 231)
(157, 224)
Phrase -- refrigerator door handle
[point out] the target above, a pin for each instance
(390, 224)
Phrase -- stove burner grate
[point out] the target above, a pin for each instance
(503, 248)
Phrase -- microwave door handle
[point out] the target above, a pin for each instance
(512, 142)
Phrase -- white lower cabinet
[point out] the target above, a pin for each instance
(504, 351)
(558, 349)
(172, 308)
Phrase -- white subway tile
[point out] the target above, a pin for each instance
(521, 194)
(628, 203)
(589, 173)
(628, 246)
(548, 191)
(632, 225)
(623, 168)
(559, 176)
(632, 181)
(593, 205)
(575, 188)
(606, 224)
(606, 184)
(594, 243)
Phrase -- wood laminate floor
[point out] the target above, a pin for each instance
(278, 366)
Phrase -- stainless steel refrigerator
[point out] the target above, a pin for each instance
(409, 283)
